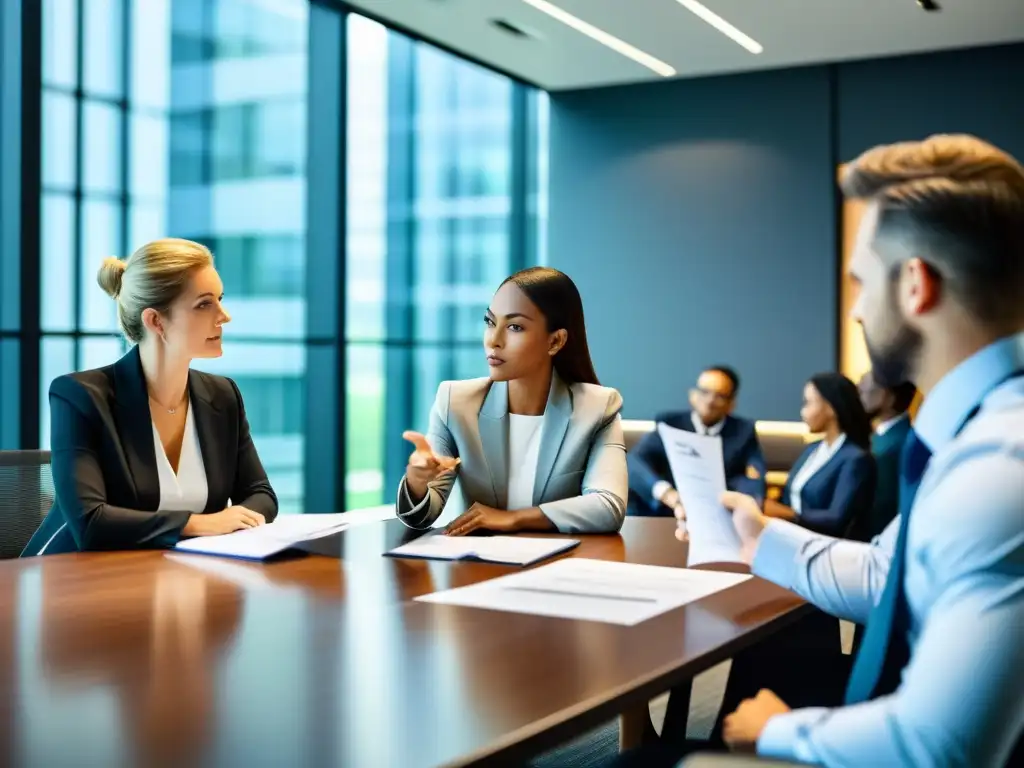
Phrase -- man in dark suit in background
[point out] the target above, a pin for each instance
(888, 408)
(651, 490)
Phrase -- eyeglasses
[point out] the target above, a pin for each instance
(715, 397)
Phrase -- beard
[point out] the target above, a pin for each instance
(894, 361)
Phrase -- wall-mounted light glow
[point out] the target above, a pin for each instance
(705, 14)
(617, 45)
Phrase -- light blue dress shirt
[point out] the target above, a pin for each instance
(961, 698)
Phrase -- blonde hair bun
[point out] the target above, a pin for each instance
(111, 275)
(160, 273)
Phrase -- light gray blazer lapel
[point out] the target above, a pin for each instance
(556, 422)
(494, 439)
(580, 478)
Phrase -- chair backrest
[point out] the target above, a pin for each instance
(781, 441)
(633, 431)
(26, 495)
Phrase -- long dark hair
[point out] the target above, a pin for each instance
(556, 296)
(841, 393)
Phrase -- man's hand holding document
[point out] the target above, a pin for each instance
(698, 473)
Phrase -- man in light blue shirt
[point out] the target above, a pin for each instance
(961, 700)
(940, 265)
(939, 677)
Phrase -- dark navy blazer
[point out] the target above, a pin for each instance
(104, 460)
(836, 500)
(648, 462)
(887, 449)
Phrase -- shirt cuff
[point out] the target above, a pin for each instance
(778, 548)
(782, 734)
(659, 490)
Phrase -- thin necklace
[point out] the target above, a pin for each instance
(171, 411)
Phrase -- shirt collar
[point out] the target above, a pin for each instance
(827, 451)
(949, 404)
(698, 425)
(885, 426)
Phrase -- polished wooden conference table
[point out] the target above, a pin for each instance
(153, 659)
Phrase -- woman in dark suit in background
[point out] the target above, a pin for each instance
(832, 485)
(146, 451)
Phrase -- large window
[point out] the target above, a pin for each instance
(183, 118)
(11, 345)
(437, 215)
(363, 195)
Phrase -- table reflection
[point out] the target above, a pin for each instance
(151, 639)
(158, 659)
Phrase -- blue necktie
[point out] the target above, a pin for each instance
(885, 650)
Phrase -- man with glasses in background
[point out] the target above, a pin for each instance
(712, 400)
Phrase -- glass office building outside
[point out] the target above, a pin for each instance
(432, 209)
(363, 194)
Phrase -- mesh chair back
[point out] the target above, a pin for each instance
(26, 495)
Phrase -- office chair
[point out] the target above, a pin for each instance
(26, 495)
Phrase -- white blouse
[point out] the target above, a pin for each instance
(523, 454)
(187, 490)
(821, 456)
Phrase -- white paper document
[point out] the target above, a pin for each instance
(504, 550)
(591, 590)
(369, 515)
(266, 540)
(698, 473)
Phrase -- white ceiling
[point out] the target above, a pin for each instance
(792, 32)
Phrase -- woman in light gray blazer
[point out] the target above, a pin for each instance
(537, 445)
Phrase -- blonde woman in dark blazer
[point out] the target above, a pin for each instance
(147, 451)
(536, 446)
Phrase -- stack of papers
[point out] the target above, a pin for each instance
(266, 540)
(367, 515)
(698, 472)
(503, 550)
(591, 590)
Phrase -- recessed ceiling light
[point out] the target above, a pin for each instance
(617, 45)
(705, 14)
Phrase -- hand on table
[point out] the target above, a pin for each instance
(482, 517)
(232, 519)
